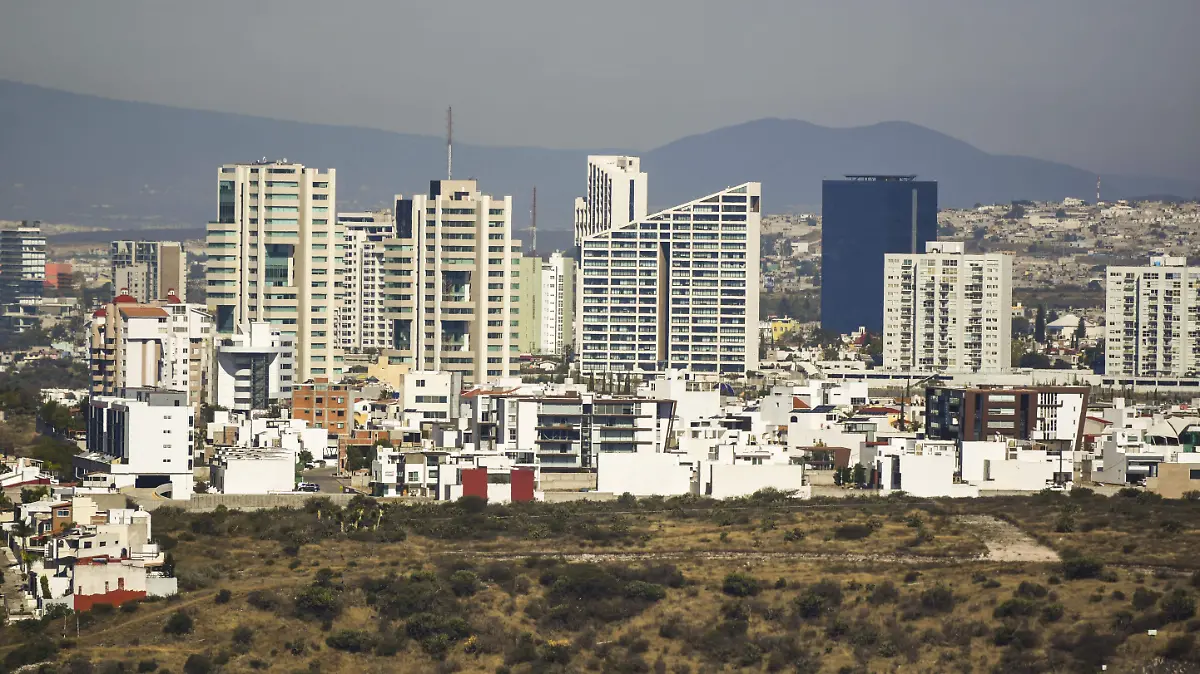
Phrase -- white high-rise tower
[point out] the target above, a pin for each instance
(677, 289)
(946, 310)
(616, 195)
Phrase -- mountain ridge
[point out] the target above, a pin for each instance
(93, 160)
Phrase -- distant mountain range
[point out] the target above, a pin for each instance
(83, 159)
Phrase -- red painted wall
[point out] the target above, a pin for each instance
(85, 602)
(522, 485)
(475, 482)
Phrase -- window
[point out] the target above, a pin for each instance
(1194, 474)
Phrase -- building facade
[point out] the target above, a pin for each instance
(453, 283)
(548, 315)
(1152, 317)
(863, 218)
(148, 270)
(272, 257)
(946, 310)
(145, 438)
(568, 432)
(249, 368)
(22, 273)
(324, 405)
(675, 290)
(165, 345)
(1051, 414)
(361, 321)
(616, 195)
(58, 276)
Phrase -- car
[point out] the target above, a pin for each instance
(308, 487)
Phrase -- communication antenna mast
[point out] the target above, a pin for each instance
(533, 220)
(449, 143)
(1097, 190)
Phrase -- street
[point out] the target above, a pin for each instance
(324, 477)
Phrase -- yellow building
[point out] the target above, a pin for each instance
(781, 327)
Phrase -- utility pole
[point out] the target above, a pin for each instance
(449, 143)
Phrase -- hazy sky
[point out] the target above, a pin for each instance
(1111, 85)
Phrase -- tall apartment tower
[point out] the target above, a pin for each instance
(22, 273)
(361, 321)
(273, 258)
(548, 313)
(453, 283)
(863, 218)
(556, 305)
(148, 271)
(1152, 317)
(946, 310)
(616, 195)
(677, 289)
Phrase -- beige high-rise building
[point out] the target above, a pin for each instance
(163, 345)
(361, 322)
(453, 285)
(547, 304)
(273, 258)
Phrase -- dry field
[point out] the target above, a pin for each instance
(681, 585)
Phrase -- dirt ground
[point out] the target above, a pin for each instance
(1005, 542)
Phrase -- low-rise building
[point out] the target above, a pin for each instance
(1052, 414)
(142, 438)
(566, 432)
(85, 556)
(253, 471)
(324, 405)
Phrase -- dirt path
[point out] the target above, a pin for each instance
(1005, 542)
(747, 555)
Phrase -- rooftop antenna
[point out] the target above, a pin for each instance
(533, 220)
(449, 143)
(1097, 190)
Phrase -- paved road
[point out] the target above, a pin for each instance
(324, 477)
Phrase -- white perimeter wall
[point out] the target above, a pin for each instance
(734, 480)
(643, 474)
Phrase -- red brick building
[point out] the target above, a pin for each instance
(324, 405)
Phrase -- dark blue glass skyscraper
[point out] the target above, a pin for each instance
(865, 217)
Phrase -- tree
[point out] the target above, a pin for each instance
(33, 494)
(1034, 360)
(1039, 325)
(1080, 331)
(178, 623)
(1020, 326)
(1015, 213)
(860, 474)
(1060, 213)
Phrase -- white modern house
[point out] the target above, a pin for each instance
(142, 438)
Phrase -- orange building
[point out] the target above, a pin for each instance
(58, 275)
